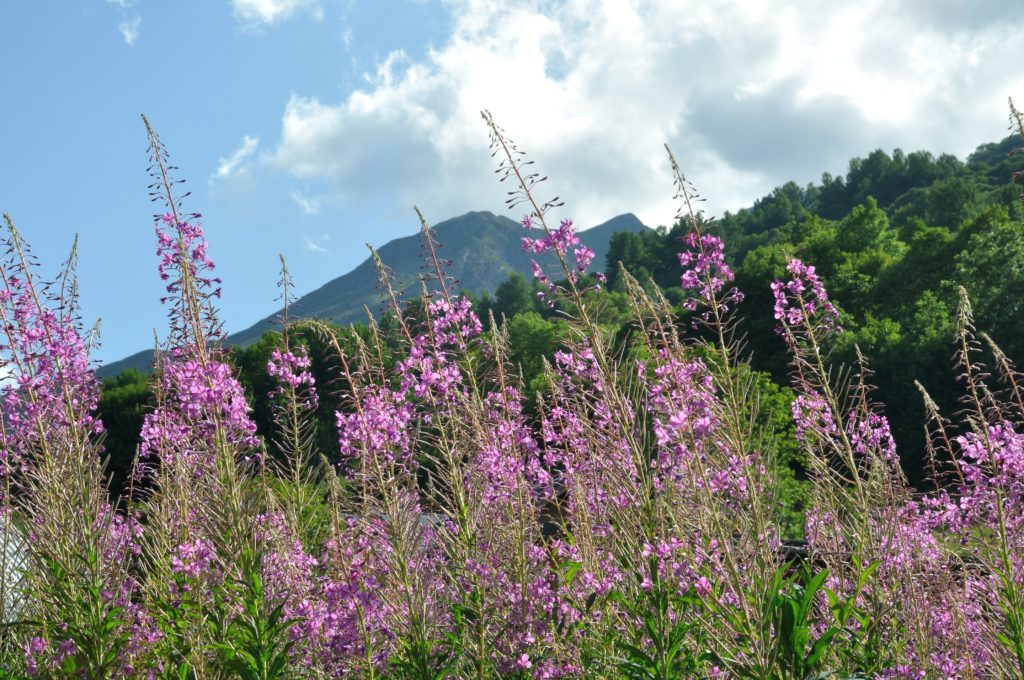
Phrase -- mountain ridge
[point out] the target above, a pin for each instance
(483, 249)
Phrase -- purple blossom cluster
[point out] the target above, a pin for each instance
(866, 513)
(601, 471)
(453, 322)
(991, 493)
(203, 404)
(872, 434)
(509, 462)
(803, 301)
(291, 368)
(378, 429)
(195, 559)
(51, 392)
(707, 272)
(560, 241)
(184, 262)
(293, 371)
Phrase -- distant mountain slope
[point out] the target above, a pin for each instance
(483, 248)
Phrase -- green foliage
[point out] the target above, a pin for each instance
(514, 296)
(952, 201)
(787, 458)
(991, 268)
(96, 629)
(259, 640)
(898, 235)
(799, 651)
(663, 645)
(532, 339)
(866, 649)
(310, 497)
(125, 399)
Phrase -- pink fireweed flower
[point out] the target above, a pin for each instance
(813, 418)
(432, 376)
(993, 473)
(196, 263)
(707, 273)
(683, 403)
(584, 256)
(194, 559)
(38, 650)
(187, 268)
(52, 391)
(430, 371)
(289, 573)
(34, 649)
(871, 434)
(380, 428)
(204, 402)
(803, 301)
(561, 241)
(867, 435)
(201, 400)
(584, 441)
(292, 370)
(509, 460)
(538, 272)
(455, 322)
(344, 605)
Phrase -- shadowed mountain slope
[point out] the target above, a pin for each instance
(483, 249)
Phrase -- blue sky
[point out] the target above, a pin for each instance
(309, 127)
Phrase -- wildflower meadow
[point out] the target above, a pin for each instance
(619, 517)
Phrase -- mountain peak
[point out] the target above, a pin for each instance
(483, 249)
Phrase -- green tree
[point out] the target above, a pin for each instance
(532, 339)
(952, 201)
(125, 400)
(863, 228)
(513, 296)
(991, 268)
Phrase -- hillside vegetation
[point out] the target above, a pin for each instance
(892, 240)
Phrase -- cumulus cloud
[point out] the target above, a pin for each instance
(748, 93)
(130, 29)
(233, 164)
(264, 12)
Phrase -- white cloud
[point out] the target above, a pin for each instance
(123, 4)
(748, 94)
(315, 247)
(233, 164)
(262, 12)
(309, 206)
(130, 29)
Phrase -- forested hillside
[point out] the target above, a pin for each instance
(893, 240)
